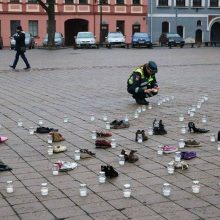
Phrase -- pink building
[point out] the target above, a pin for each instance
(72, 16)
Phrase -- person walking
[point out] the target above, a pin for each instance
(142, 83)
(20, 48)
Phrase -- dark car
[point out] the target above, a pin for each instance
(1, 42)
(171, 39)
(29, 41)
(141, 39)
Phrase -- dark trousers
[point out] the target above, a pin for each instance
(19, 53)
(141, 96)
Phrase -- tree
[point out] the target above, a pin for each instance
(51, 29)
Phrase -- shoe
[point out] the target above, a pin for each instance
(109, 171)
(3, 139)
(12, 67)
(4, 167)
(144, 136)
(116, 124)
(85, 153)
(27, 68)
(192, 143)
(103, 134)
(56, 136)
(130, 158)
(138, 132)
(45, 130)
(187, 155)
(180, 165)
(158, 128)
(169, 149)
(66, 166)
(102, 144)
(193, 128)
(59, 149)
(141, 102)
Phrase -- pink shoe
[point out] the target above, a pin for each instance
(169, 149)
(3, 139)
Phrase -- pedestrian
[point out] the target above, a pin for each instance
(142, 83)
(20, 48)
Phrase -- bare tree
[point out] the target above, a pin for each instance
(51, 29)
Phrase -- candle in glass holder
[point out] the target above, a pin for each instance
(143, 108)
(166, 189)
(170, 167)
(126, 118)
(107, 125)
(92, 117)
(183, 129)
(83, 190)
(139, 110)
(181, 117)
(204, 119)
(198, 105)
(160, 149)
(9, 187)
(104, 117)
(50, 150)
(20, 123)
(31, 130)
(212, 137)
(127, 190)
(181, 143)
(150, 106)
(139, 137)
(65, 119)
(206, 97)
(192, 113)
(49, 139)
(195, 186)
(178, 156)
(55, 169)
(94, 135)
(136, 115)
(44, 189)
(150, 131)
(218, 145)
(193, 109)
(77, 155)
(101, 177)
(113, 143)
(40, 121)
(121, 159)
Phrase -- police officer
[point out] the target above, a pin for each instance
(20, 48)
(142, 83)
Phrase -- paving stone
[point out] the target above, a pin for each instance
(28, 207)
(67, 212)
(206, 212)
(37, 215)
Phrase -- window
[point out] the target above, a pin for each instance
(69, 1)
(14, 1)
(13, 26)
(163, 3)
(83, 1)
(197, 3)
(180, 3)
(33, 28)
(32, 1)
(213, 3)
(199, 23)
(165, 27)
(120, 2)
(103, 2)
(136, 2)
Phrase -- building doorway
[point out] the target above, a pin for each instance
(215, 32)
(179, 30)
(198, 37)
(104, 32)
(72, 27)
(165, 27)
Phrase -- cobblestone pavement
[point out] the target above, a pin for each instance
(77, 83)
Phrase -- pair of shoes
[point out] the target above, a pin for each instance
(180, 165)
(158, 127)
(12, 66)
(85, 153)
(118, 124)
(143, 135)
(169, 149)
(102, 144)
(103, 134)
(109, 171)
(130, 158)
(141, 101)
(3, 139)
(4, 167)
(192, 143)
(193, 128)
(59, 149)
(66, 166)
(27, 68)
(45, 130)
(56, 136)
(187, 155)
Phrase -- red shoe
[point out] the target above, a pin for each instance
(102, 144)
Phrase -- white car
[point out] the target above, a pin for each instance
(115, 39)
(85, 40)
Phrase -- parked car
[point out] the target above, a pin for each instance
(85, 40)
(29, 41)
(1, 42)
(115, 39)
(171, 39)
(58, 40)
(140, 39)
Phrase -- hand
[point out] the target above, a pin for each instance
(147, 90)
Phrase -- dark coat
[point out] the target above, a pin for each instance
(19, 40)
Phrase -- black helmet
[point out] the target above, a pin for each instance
(152, 66)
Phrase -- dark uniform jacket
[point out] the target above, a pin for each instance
(20, 40)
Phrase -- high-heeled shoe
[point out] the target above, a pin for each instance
(158, 128)
(193, 128)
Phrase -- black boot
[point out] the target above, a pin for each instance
(193, 128)
(161, 128)
(144, 136)
(136, 135)
(140, 101)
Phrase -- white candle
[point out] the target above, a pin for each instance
(10, 190)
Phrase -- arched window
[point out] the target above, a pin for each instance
(199, 23)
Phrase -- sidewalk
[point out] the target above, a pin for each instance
(78, 83)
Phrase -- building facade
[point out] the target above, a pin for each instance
(72, 16)
(197, 19)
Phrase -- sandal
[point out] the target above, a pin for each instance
(169, 149)
(85, 153)
(102, 144)
(180, 165)
(3, 139)
(44, 130)
(187, 155)
(59, 149)
(103, 134)
(56, 136)
(66, 166)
